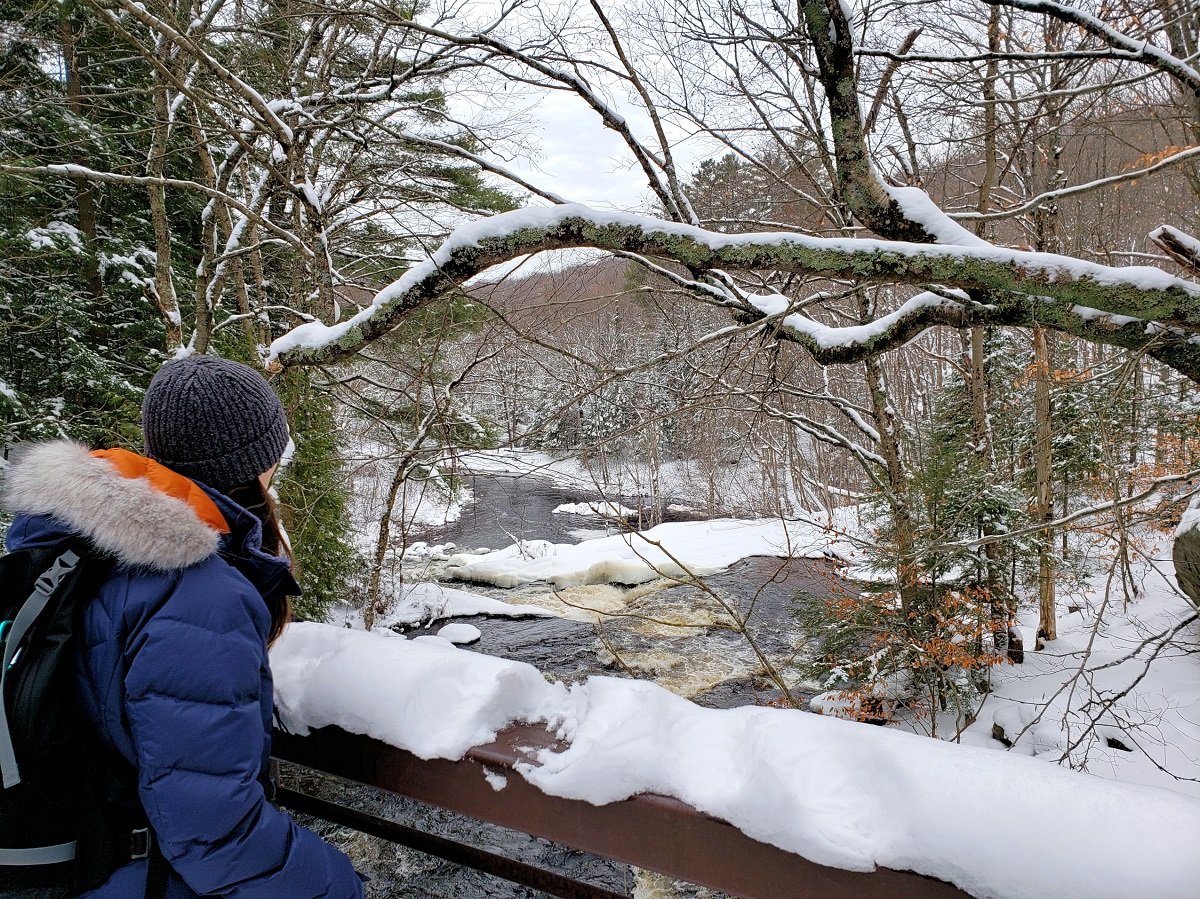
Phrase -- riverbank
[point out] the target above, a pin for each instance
(678, 635)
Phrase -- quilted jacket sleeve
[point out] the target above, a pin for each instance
(196, 669)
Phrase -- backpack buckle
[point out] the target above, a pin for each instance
(140, 841)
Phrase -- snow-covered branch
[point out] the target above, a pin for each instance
(278, 127)
(1190, 155)
(658, 171)
(71, 170)
(1104, 303)
(858, 185)
(1183, 248)
(1140, 49)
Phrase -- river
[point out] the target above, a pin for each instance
(705, 660)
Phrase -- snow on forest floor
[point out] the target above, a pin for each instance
(1110, 680)
(423, 502)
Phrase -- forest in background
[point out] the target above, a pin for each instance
(204, 176)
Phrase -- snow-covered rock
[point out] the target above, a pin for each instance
(426, 603)
(1185, 552)
(460, 633)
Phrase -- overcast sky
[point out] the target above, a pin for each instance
(576, 156)
(581, 160)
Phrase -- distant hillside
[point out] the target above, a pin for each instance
(585, 289)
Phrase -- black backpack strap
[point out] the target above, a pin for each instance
(144, 844)
(157, 872)
(43, 589)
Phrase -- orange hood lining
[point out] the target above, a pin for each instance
(131, 465)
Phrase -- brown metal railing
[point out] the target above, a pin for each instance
(652, 832)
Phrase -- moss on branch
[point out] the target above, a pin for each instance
(1025, 288)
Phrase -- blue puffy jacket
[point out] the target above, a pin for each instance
(174, 673)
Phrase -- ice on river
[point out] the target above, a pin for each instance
(603, 509)
(673, 550)
(840, 793)
(426, 603)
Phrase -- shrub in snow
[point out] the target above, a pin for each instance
(877, 653)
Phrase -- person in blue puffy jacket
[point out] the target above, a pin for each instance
(173, 665)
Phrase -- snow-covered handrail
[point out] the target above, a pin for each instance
(652, 832)
(837, 793)
(1102, 303)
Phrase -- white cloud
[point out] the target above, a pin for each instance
(584, 161)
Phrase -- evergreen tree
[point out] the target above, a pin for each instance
(314, 492)
(311, 205)
(78, 338)
(931, 652)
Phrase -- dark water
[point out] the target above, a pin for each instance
(760, 590)
(506, 508)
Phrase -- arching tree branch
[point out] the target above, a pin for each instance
(1137, 307)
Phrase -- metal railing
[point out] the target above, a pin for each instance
(652, 832)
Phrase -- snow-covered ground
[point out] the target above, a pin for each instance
(560, 470)
(424, 502)
(1110, 680)
(723, 489)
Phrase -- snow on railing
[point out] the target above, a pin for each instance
(653, 832)
(836, 793)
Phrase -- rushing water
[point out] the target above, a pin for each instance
(677, 635)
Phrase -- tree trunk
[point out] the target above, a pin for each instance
(1002, 610)
(906, 556)
(75, 59)
(1047, 626)
(375, 603)
(164, 285)
(1047, 240)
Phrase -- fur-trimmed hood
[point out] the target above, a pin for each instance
(126, 516)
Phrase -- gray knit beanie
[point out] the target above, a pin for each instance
(213, 420)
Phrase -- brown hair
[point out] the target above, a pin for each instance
(251, 496)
